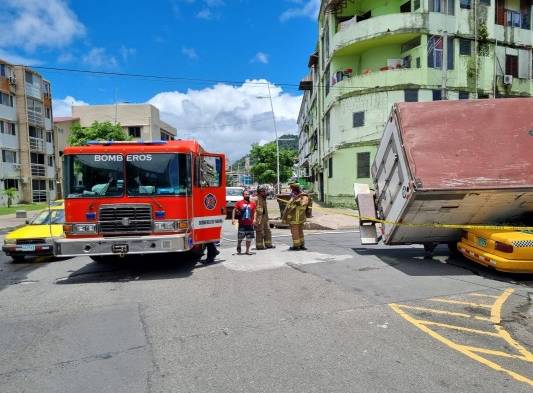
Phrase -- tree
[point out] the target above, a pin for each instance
(264, 165)
(105, 131)
(10, 194)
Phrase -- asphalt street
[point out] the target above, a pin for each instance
(336, 318)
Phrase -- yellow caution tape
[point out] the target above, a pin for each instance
(449, 226)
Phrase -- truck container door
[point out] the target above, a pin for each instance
(209, 206)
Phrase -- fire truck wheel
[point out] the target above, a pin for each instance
(104, 258)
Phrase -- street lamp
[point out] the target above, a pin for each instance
(276, 132)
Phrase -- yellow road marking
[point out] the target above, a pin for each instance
(460, 348)
(437, 311)
(493, 352)
(461, 328)
(489, 306)
(483, 295)
(495, 316)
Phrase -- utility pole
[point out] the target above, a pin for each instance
(476, 48)
(277, 140)
(495, 68)
(444, 93)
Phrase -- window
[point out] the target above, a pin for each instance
(51, 185)
(486, 2)
(39, 195)
(513, 18)
(437, 95)
(435, 52)
(418, 62)
(365, 16)
(9, 156)
(466, 4)
(325, 45)
(358, 119)
(327, 125)
(327, 80)
(36, 158)
(50, 160)
(134, 132)
(465, 47)
(405, 7)
(49, 137)
(406, 62)
(35, 106)
(210, 169)
(416, 5)
(29, 77)
(330, 167)
(11, 183)
(3, 70)
(6, 99)
(410, 95)
(35, 132)
(363, 165)
(411, 44)
(165, 136)
(464, 95)
(442, 6)
(511, 65)
(48, 113)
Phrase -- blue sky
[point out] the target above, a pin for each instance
(219, 40)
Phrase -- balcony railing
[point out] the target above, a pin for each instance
(39, 196)
(37, 144)
(33, 90)
(38, 170)
(35, 118)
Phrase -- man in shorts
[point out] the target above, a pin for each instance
(245, 212)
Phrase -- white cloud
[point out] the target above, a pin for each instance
(260, 57)
(63, 107)
(190, 53)
(31, 24)
(17, 59)
(205, 14)
(99, 58)
(228, 118)
(309, 10)
(126, 52)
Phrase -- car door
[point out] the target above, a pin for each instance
(209, 197)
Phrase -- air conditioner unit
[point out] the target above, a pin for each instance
(507, 79)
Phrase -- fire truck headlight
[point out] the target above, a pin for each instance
(162, 226)
(84, 228)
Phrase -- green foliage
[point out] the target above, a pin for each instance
(10, 193)
(264, 163)
(105, 131)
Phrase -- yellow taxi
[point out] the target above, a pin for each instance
(36, 238)
(504, 250)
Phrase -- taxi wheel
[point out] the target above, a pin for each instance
(454, 251)
(17, 258)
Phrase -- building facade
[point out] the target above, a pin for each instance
(26, 135)
(140, 121)
(373, 53)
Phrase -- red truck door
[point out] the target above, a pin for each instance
(209, 195)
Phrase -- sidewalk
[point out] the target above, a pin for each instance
(323, 217)
(9, 221)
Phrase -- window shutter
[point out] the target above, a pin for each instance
(523, 63)
(451, 53)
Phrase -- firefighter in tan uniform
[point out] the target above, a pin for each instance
(295, 215)
(263, 235)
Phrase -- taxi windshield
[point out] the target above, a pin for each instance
(49, 217)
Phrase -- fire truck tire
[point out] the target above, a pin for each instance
(104, 258)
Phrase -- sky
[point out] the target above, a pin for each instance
(219, 57)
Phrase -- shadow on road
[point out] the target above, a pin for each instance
(133, 268)
(411, 262)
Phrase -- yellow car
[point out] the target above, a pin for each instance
(36, 238)
(504, 250)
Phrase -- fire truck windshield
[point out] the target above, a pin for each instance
(158, 174)
(108, 175)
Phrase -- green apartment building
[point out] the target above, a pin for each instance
(371, 54)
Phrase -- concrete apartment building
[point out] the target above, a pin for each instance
(140, 121)
(373, 53)
(26, 138)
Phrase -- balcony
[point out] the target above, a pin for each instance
(34, 90)
(9, 141)
(50, 172)
(37, 144)
(10, 170)
(38, 170)
(35, 118)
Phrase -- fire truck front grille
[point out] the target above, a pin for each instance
(125, 219)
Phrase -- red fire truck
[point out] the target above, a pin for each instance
(126, 198)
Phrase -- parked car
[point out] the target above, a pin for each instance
(504, 250)
(233, 195)
(36, 238)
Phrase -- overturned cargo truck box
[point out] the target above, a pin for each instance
(449, 162)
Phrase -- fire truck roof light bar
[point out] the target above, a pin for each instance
(106, 143)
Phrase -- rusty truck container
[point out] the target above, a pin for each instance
(449, 162)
